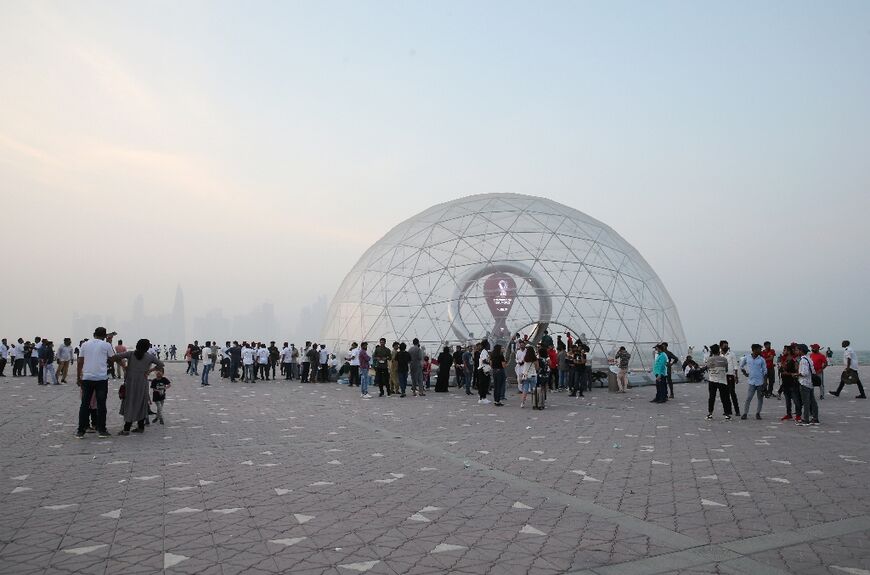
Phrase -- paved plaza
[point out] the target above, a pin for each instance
(308, 478)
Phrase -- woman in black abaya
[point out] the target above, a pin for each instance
(445, 361)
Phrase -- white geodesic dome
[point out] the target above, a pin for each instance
(554, 267)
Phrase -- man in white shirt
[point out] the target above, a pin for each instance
(92, 377)
(263, 361)
(850, 371)
(324, 363)
(352, 358)
(207, 363)
(520, 362)
(286, 361)
(18, 358)
(4, 351)
(733, 366)
(248, 362)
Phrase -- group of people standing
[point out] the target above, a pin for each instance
(801, 369)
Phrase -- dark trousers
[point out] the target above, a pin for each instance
(554, 378)
(264, 371)
(575, 380)
(102, 390)
(770, 379)
(403, 381)
(671, 387)
(285, 367)
(33, 363)
(499, 382)
(18, 367)
(234, 370)
(354, 375)
(2, 365)
(306, 368)
(382, 379)
(272, 364)
(732, 393)
(858, 382)
(661, 388)
(724, 395)
(482, 384)
(324, 372)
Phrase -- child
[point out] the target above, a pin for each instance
(160, 384)
(427, 371)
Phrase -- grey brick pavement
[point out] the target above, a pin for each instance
(293, 478)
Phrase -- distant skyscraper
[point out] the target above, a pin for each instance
(177, 333)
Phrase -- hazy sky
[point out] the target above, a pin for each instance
(251, 151)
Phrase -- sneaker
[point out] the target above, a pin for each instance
(104, 433)
(138, 430)
(757, 416)
(803, 424)
(80, 434)
(366, 396)
(743, 416)
(860, 397)
(483, 401)
(124, 432)
(797, 418)
(709, 417)
(727, 418)
(785, 418)
(814, 422)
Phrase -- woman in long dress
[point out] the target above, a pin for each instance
(445, 360)
(134, 406)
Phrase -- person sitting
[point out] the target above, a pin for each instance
(694, 372)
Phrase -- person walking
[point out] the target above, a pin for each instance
(206, 363)
(134, 404)
(805, 379)
(64, 358)
(416, 367)
(93, 378)
(850, 371)
(755, 370)
(717, 382)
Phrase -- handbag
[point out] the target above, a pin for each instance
(849, 377)
(122, 391)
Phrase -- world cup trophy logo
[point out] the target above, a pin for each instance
(500, 291)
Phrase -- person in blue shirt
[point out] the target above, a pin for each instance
(660, 372)
(755, 369)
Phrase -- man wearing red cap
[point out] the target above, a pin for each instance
(820, 362)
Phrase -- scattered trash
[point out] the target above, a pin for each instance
(615, 446)
(467, 464)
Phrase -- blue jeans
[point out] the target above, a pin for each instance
(364, 380)
(563, 378)
(206, 367)
(194, 363)
(403, 381)
(499, 380)
(662, 388)
(467, 372)
(758, 391)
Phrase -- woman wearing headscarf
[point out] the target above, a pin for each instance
(134, 405)
(445, 361)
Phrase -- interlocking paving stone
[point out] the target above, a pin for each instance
(307, 478)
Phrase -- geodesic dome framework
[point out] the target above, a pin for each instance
(494, 264)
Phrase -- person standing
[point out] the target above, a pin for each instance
(733, 366)
(92, 377)
(755, 370)
(528, 373)
(134, 405)
(46, 360)
(324, 363)
(790, 387)
(286, 362)
(416, 367)
(394, 369)
(403, 363)
(717, 382)
(195, 354)
(820, 362)
(235, 353)
(769, 356)
(499, 378)
(247, 354)
(805, 379)
(364, 364)
(850, 371)
(274, 357)
(263, 362)
(484, 369)
(672, 359)
(622, 360)
(467, 369)
(206, 363)
(445, 361)
(4, 351)
(381, 357)
(660, 372)
(352, 358)
(294, 365)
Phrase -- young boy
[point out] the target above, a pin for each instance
(159, 384)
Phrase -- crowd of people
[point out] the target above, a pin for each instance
(539, 368)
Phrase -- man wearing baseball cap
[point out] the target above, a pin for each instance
(92, 377)
(820, 362)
